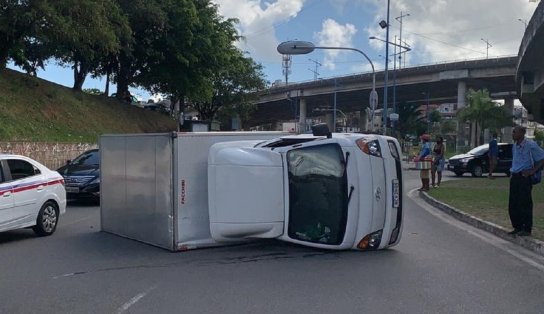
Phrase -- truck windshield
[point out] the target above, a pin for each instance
(318, 194)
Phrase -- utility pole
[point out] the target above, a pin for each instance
(399, 18)
(286, 63)
(317, 64)
(488, 46)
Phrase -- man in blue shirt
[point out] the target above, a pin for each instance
(493, 154)
(527, 158)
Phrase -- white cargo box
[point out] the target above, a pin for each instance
(154, 187)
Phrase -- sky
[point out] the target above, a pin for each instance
(435, 30)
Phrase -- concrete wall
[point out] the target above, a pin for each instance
(52, 155)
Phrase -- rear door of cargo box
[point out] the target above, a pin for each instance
(136, 187)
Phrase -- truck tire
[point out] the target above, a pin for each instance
(458, 173)
(47, 220)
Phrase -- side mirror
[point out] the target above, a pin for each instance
(68, 161)
(321, 130)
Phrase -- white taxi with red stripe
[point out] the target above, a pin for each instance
(31, 195)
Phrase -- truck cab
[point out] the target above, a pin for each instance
(335, 191)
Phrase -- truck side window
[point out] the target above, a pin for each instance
(318, 194)
(2, 179)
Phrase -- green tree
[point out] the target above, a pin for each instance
(25, 21)
(95, 28)
(539, 137)
(234, 86)
(483, 112)
(411, 119)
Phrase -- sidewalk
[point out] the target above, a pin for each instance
(529, 243)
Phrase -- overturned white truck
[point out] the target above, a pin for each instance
(182, 191)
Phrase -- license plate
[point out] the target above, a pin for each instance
(396, 193)
(72, 189)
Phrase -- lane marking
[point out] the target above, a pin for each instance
(134, 300)
(513, 249)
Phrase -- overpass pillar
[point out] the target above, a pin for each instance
(329, 118)
(507, 131)
(363, 120)
(302, 115)
(461, 127)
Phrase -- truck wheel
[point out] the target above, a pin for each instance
(477, 171)
(458, 173)
(47, 220)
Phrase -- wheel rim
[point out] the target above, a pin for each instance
(478, 171)
(49, 218)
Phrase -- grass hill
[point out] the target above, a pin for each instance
(32, 109)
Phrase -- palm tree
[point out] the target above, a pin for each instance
(483, 113)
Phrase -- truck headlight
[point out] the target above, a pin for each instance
(370, 241)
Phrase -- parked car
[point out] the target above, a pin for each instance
(31, 195)
(476, 161)
(82, 175)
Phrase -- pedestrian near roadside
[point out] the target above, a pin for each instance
(424, 162)
(493, 155)
(437, 166)
(527, 158)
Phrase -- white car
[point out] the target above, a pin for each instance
(31, 195)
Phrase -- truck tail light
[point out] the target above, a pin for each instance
(369, 147)
(370, 241)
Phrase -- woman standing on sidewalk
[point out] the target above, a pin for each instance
(438, 161)
(423, 162)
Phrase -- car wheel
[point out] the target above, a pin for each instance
(47, 220)
(477, 171)
(458, 173)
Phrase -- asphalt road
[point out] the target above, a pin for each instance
(440, 266)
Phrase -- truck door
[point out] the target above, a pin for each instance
(246, 194)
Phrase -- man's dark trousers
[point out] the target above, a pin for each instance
(520, 203)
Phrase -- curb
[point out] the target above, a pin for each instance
(529, 243)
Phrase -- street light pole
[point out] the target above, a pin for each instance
(386, 71)
(296, 47)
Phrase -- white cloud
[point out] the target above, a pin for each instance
(443, 30)
(333, 34)
(258, 21)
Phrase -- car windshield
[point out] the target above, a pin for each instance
(90, 158)
(318, 197)
(479, 150)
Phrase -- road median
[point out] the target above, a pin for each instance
(483, 203)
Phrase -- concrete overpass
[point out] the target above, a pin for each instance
(446, 82)
(530, 68)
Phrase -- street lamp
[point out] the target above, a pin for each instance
(296, 47)
(394, 44)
